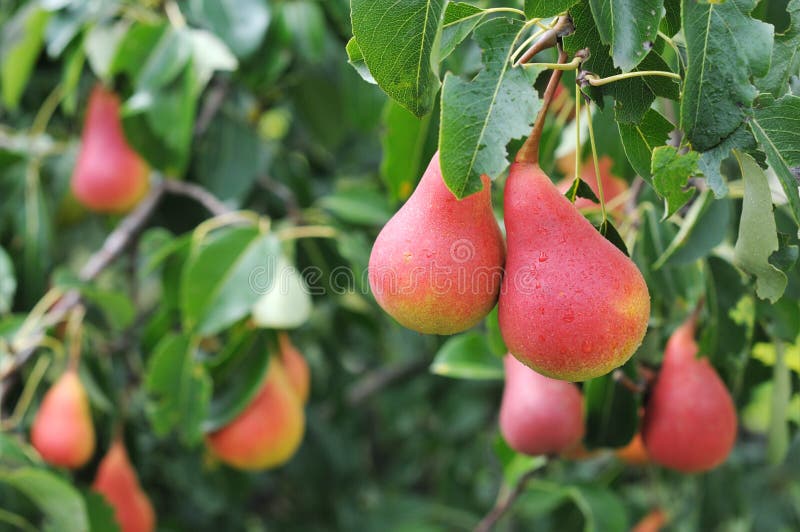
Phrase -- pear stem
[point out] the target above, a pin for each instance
(529, 153)
(625, 381)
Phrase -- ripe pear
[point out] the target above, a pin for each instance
(269, 431)
(116, 480)
(690, 419)
(655, 521)
(539, 415)
(437, 264)
(62, 431)
(572, 306)
(295, 365)
(109, 176)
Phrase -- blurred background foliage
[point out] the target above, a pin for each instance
(255, 101)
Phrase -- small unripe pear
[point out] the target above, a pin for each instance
(690, 419)
(116, 480)
(62, 431)
(109, 176)
(295, 365)
(539, 415)
(269, 431)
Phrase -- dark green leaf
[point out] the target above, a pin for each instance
(216, 286)
(785, 56)
(100, 512)
(100, 45)
(238, 379)
(166, 60)
(672, 17)
(21, 42)
(671, 171)
(641, 139)
(711, 160)
(397, 43)
(403, 143)
(460, 18)
(467, 356)
(757, 239)
(629, 27)
(726, 48)
(581, 189)
(179, 388)
(547, 8)
(62, 505)
(356, 58)
(481, 116)
(775, 126)
(612, 411)
(361, 206)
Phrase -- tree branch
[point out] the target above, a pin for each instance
(379, 379)
(197, 193)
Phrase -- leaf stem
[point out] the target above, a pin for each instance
(594, 81)
(501, 10)
(572, 65)
(596, 164)
(307, 231)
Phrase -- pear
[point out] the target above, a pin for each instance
(295, 365)
(436, 265)
(62, 430)
(635, 452)
(539, 415)
(286, 301)
(109, 176)
(572, 305)
(690, 419)
(269, 431)
(654, 521)
(116, 480)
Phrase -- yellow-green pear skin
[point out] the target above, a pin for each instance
(437, 264)
(573, 306)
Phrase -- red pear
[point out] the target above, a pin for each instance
(62, 431)
(295, 365)
(109, 176)
(690, 419)
(572, 305)
(539, 415)
(116, 480)
(269, 431)
(436, 265)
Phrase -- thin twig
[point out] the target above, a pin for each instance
(197, 193)
(377, 380)
(504, 502)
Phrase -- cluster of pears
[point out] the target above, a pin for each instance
(571, 305)
(689, 420)
(63, 434)
(109, 175)
(270, 429)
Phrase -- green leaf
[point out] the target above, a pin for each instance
(134, 47)
(547, 8)
(209, 54)
(775, 126)
(15, 453)
(397, 40)
(467, 356)
(241, 24)
(62, 505)
(757, 239)
(238, 379)
(356, 59)
(179, 389)
(481, 116)
(20, 45)
(460, 18)
(612, 411)
(116, 306)
(778, 436)
(725, 48)
(358, 205)
(602, 509)
(639, 140)
(581, 189)
(671, 171)
(671, 23)
(101, 514)
(166, 60)
(629, 27)
(8, 282)
(216, 282)
(785, 56)
(515, 465)
(403, 143)
(711, 160)
(703, 228)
